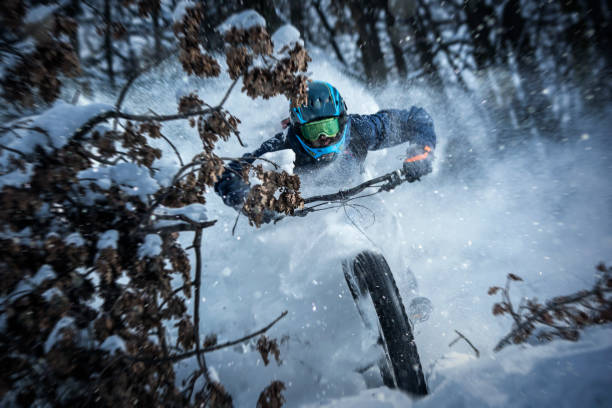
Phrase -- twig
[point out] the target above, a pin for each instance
(236, 222)
(75, 97)
(10, 149)
(179, 357)
(183, 227)
(197, 247)
(111, 114)
(253, 158)
(506, 297)
(461, 336)
(174, 292)
(227, 94)
(174, 148)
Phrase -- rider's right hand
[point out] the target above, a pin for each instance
(418, 162)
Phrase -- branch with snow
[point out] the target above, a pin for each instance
(93, 267)
(562, 316)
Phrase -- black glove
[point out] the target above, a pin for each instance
(418, 162)
(232, 189)
(269, 216)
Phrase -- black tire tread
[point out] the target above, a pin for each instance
(373, 272)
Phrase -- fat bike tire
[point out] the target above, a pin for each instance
(368, 276)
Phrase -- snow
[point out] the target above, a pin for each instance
(113, 343)
(27, 285)
(243, 20)
(562, 374)
(458, 231)
(17, 178)
(54, 336)
(38, 13)
(59, 123)
(181, 10)
(286, 36)
(132, 178)
(49, 130)
(45, 272)
(371, 398)
(151, 246)
(75, 239)
(108, 239)
(195, 212)
(49, 293)
(283, 158)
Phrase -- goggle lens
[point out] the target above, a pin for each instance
(312, 131)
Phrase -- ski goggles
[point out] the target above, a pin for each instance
(312, 131)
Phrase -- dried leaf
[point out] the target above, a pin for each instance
(266, 346)
(271, 396)
(499, 309)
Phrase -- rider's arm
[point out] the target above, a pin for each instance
(231, 187)
(395, 126)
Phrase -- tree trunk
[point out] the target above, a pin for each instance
(398, 53)
(365, 16)
(330, 30)
(424, 50)
(73, 10)
(477, 13)
(108, 42)
(296, 10)
(531, 106)
(156, 30)
(268, 11)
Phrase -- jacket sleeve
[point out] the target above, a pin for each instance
(231, 187)
(395, 126)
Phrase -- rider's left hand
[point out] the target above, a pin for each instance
(418, 162)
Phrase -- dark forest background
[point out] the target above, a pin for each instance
(529, 55)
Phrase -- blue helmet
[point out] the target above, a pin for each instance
(324, 101)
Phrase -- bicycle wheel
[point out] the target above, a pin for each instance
(371, 283)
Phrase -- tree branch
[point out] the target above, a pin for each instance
(461, 336)
(197, 247)
(111, 114)
(179, 357)
(182, 227)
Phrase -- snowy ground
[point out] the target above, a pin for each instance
(543, 214)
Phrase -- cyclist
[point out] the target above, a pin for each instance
(322, 132)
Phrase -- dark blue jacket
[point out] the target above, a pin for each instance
(366, 132)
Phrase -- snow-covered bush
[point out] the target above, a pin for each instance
(89, 248)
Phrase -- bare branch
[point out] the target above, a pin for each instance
(182, 227)
(245, 158)
(184, 356)
(10, 149)
(101, 117)
(227, 94)
(564, 314)
(461, 336)
(197, 247)
(173, 148)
